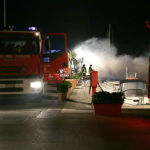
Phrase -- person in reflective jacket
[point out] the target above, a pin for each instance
(90, 69)
(84, 71)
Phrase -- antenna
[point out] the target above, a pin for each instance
(4, 13)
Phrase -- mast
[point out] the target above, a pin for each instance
(126, 71)
(126, 68)
(109, 34)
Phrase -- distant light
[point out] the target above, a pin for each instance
(32, 28)
(47, 37)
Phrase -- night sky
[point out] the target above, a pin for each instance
(83, 19)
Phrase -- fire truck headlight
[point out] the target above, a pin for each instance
(36, 85)
(37, 33)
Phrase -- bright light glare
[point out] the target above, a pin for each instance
(32, 28)
(37, 34)
(36, 84)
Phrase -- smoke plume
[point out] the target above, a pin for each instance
(103, 56)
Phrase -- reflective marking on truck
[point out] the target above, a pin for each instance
(9, 85)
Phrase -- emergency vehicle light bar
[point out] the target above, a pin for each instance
(32, 28)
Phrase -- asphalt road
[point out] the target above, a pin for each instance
(51, 125)
(20, 124)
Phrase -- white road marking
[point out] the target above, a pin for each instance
(76, 111)
(49, 113)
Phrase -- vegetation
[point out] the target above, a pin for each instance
(108, 98)
(64, 86)
(71, 56)
(69, 84)
(76, 76)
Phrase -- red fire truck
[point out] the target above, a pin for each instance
(22, 65)
(55, 58)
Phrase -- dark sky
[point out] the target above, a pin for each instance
(83, 19)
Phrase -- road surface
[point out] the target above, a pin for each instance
(51, 125)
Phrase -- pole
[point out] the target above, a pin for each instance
(4, 13)
(126, 72)
(126, 67)
(109, 34)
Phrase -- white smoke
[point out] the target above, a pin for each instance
(103, 56)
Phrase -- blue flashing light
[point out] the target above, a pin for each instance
(55, 51)
(32, 28)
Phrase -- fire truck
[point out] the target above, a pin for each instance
(55, 56)
(26, 61)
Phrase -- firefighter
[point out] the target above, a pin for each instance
(84, 71)
(90, 69)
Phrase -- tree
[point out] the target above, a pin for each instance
(72, 58)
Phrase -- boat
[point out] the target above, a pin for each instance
(135, 91)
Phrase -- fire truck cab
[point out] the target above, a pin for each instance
(21, 68)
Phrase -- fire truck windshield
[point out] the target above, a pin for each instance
(57, 48)
(19, 44)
